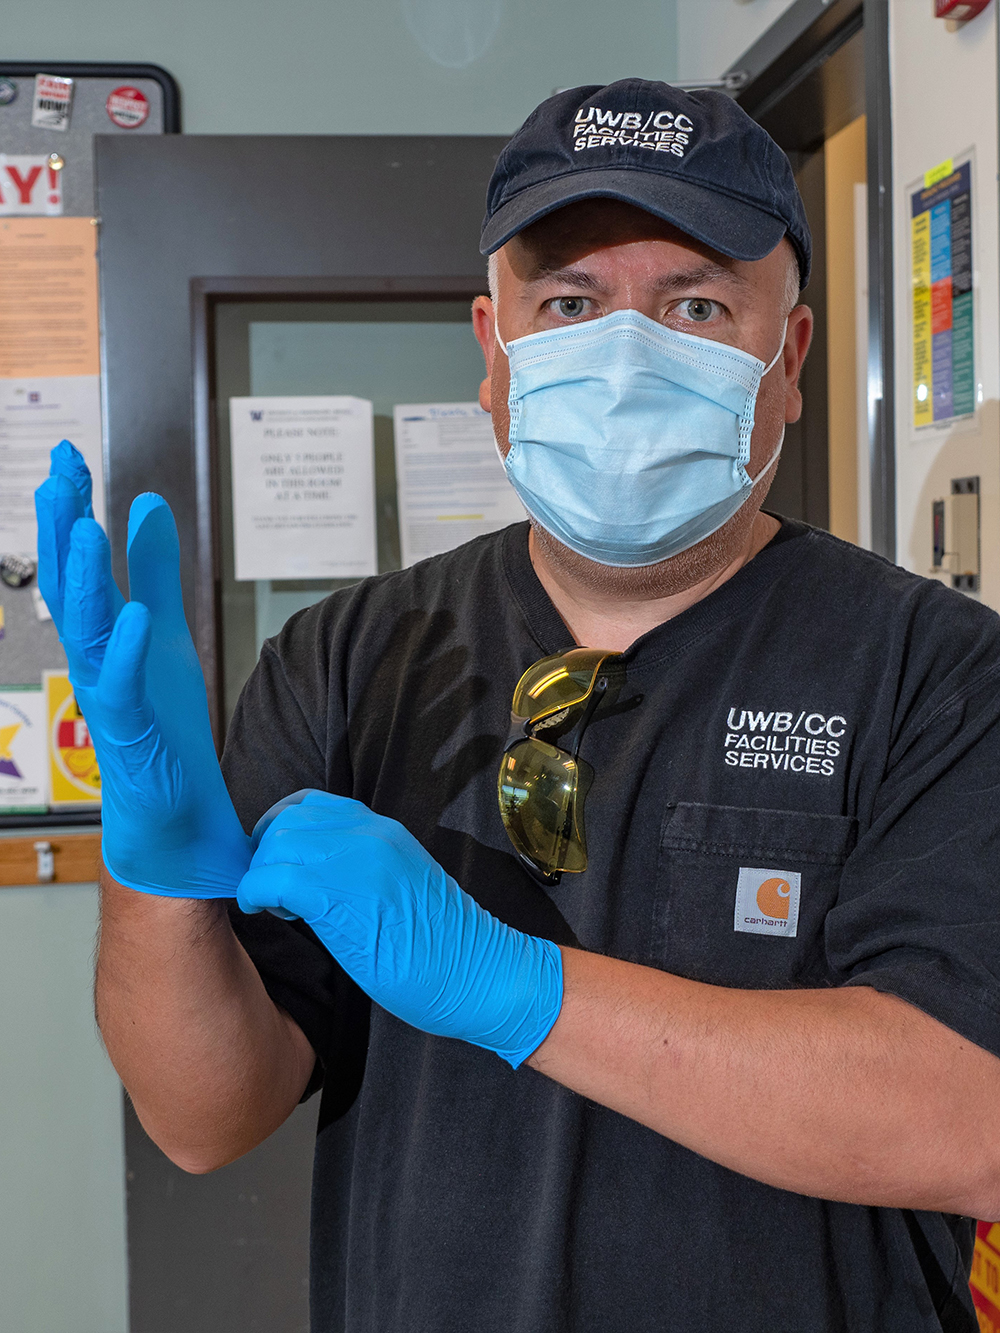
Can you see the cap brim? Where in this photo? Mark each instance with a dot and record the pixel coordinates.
(732, 227)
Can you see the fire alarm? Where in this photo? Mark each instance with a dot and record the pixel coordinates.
(959, 10)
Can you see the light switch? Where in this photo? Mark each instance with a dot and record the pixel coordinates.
(955, 538)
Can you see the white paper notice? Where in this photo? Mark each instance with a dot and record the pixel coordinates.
(35, 414)
(23, 752)
(303, 487)
(451, 483)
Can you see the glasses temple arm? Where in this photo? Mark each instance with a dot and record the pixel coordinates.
(573, 741)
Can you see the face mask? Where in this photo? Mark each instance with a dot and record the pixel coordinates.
(629, 442)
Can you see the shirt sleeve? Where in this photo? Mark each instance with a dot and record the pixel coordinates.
(278, 742)
(918, 915)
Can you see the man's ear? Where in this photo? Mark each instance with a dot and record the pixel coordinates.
(797, 340)
(482, 327)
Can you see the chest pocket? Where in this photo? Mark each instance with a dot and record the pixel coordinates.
(703, 849)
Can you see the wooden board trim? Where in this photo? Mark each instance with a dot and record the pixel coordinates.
(76, 858)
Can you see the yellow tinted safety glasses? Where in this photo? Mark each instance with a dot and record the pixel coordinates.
(541, 785)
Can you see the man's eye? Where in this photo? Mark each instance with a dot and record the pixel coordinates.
(698, 308)
(571, 307)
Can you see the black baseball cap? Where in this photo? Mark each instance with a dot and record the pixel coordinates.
(696, 160)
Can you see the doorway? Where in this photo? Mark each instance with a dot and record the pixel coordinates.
(810, 97)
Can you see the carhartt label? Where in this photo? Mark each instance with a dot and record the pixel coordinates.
(767, 901)
(659, 131)
(804, 742)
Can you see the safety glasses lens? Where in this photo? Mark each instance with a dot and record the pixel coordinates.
(539, 790)
(557, 682)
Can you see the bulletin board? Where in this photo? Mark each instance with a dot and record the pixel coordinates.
(50, 389)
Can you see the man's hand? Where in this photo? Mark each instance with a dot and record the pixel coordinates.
(169, 825)
(402, 928)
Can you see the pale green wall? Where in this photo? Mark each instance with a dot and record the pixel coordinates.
(355, 66)
(62, 1174)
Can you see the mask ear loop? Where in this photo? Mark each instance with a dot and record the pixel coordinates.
(781, 441)
(774, 359)
(503, 345)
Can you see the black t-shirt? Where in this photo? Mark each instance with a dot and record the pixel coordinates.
(795, 785)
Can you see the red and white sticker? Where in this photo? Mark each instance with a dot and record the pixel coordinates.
(128, 107)
(53, 99)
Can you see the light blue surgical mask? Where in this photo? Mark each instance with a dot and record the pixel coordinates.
(629, 442)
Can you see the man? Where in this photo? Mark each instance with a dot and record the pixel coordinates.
(752, 1050)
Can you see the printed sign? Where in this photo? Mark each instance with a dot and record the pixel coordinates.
(53, 100)
(74, 778)
(303, 487)
(944, 384)
(450, 481)
(127, 107)
(22, 749)
(29, 186)
(36, 414)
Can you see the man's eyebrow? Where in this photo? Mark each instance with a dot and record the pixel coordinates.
(682, 280)
(574, 277)
(693, 277)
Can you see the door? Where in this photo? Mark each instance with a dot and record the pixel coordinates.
(212, 247)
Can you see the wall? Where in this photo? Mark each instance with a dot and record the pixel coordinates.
(711, 34)
(944, 100)
(357, 66)
(62, 1185)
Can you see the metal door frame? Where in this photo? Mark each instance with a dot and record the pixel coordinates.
(206, 295)
(803, 38)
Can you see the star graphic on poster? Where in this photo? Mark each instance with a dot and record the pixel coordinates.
(7, 765)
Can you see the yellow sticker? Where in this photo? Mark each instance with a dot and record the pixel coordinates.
(939, 172)
(73, 772)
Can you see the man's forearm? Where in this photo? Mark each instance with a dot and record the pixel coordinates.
(842, 1094)
(211, 1063)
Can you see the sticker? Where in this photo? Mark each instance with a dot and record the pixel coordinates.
(127, 107)
(8, 92)
(16, 570)
(29, 186)
(73, 771)
(767, 901)
(42, 612)
(22, 748)
(53, 99)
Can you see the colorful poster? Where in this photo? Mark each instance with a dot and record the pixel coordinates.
(944, 384)
(22, 749)
(73, 774)
(985, 1280)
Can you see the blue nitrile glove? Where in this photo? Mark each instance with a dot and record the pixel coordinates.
(401, 927)
(169, 826)
(61, 499)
